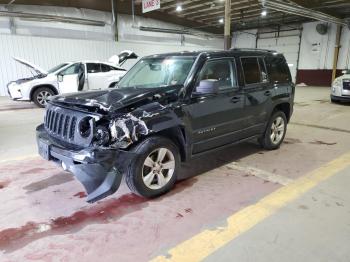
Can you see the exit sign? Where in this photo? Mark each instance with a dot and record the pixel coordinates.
(150, 5)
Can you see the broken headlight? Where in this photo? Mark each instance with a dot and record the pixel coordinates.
(102, 136)
(84, 127)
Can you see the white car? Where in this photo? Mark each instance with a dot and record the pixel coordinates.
(67, 78)
(341, 88)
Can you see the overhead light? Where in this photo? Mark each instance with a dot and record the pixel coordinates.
(295, 9)
(263, 13)
(221, 20)
(178, 8)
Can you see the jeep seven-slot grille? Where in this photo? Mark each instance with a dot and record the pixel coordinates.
(60, 124)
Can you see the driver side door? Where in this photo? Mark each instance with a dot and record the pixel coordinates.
(216, 119)
(68, 79)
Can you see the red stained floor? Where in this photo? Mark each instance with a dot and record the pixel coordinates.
(45, 216)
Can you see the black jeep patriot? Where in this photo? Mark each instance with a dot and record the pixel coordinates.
(168, 108)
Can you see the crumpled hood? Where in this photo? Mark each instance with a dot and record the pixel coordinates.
(114, 99)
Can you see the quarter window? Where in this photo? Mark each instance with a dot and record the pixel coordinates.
(251, 70)
(278, 69)
(221, 71)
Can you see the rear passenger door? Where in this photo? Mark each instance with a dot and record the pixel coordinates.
(257, 94)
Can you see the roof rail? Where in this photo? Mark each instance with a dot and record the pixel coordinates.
(253, 49)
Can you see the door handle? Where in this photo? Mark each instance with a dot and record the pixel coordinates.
(267, 93)
(235, 99)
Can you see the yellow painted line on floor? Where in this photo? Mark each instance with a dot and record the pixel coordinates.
(205, 243)
(5, 160)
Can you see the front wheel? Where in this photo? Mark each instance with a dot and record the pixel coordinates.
(154, 169)
(275, 131)
(41, 95)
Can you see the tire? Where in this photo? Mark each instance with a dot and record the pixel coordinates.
(274, 133)
(41, 94)
(144, 176)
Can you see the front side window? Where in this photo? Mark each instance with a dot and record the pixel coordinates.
(93, 68)
(220, 71)
(71, 70)
(158, 72)
(251, 70)
(56, 68)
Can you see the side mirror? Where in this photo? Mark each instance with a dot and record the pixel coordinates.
(345, 72)
(60, 78)
(209, 86)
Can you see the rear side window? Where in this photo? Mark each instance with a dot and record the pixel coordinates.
(105, 68)
(251, 70)
(278, 69)
(93, 68)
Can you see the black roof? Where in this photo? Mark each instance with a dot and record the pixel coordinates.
(218, 53)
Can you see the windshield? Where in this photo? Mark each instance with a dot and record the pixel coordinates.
(158, 72)
(54, 69)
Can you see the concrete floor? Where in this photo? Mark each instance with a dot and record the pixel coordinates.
(44, 216)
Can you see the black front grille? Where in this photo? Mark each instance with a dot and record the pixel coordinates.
(60, 124)
(346, 84)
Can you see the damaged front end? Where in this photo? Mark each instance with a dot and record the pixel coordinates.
(93, 144)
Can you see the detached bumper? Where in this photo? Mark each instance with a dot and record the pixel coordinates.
(99, 170)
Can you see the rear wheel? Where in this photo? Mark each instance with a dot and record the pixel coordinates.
(275, 131)
(154, 169)
(41, 95)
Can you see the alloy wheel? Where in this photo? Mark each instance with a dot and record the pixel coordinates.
(42, 97)
(277, 130)
(158, 168)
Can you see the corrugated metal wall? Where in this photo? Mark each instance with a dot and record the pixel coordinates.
(48, 52)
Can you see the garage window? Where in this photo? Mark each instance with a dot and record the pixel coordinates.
(251, 70)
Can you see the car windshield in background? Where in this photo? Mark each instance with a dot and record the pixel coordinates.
(158, 72)
(54, 69)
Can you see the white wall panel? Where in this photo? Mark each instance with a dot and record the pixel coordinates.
(48, 52)
(344, 54)
(246, 39)
(287, 44)
(317, 50)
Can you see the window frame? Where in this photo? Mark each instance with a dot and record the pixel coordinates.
(261, 80)
(233, 71)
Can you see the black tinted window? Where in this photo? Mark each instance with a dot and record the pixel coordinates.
(264, 77)
(251, 70)
(107, 68)
(93, 68)
(278, 69)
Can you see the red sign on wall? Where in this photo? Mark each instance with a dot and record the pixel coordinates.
(150, 5)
